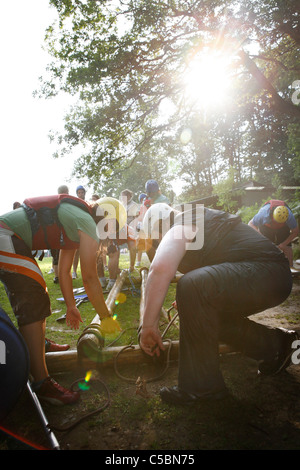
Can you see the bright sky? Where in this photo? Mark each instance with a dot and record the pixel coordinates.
(27, 166)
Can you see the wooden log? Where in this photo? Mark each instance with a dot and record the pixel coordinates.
(71, 360)
(91, 340)
(144, 276)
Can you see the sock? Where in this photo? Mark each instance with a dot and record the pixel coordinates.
(37, 385)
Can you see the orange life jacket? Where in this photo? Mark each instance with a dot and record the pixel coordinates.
(47, 231)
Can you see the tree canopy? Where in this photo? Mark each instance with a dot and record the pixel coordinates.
(173, 88)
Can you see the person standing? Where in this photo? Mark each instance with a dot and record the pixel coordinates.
(154, 193)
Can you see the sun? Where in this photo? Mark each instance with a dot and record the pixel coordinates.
(207, 79)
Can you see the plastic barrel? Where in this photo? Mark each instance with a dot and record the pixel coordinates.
(14, 365)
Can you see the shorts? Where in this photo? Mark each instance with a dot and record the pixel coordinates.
(23, 280)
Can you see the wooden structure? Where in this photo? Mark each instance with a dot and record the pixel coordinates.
(91, 352)
(91, 341)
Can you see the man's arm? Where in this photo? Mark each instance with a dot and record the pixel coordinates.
(162, 270)
(293, 234)
(251, 224)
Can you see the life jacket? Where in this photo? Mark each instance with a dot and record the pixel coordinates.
(47, 231)
(273, 204)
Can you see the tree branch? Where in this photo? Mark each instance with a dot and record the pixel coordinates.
(279, 104)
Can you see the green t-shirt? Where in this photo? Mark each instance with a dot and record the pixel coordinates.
(161, 198)
(71, 217)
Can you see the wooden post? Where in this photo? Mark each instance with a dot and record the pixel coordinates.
(144, 276)
(71, 360)
(91, 341)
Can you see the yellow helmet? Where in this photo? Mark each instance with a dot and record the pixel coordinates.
(111, 208)
(281, 214)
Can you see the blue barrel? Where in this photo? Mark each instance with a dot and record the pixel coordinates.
(14, 365)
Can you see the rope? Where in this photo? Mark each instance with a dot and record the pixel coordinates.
(130, 346)
(88, 415)
(126, 379)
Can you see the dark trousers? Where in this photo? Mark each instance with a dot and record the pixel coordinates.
(276, 236)
(213, 304)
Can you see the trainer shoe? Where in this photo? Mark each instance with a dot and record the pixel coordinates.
(282, 357)
(175, 396)
(103, 281)
(110, 284)
(55, 394)
(50, 346)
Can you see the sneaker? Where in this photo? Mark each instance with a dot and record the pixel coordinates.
(51, 271)
(175, 396)
(62, 319)
(103, 282)
(283, 356)
(110, 284)
(56, 280)
(50, 346)
(55, 394)
(74, 275)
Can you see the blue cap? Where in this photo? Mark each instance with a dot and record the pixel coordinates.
(80, 187)
(142, 196)
(151, 186)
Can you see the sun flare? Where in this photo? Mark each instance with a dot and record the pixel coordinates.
(207, 79)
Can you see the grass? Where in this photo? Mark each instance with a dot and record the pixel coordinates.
(127, 312)
(257, 415)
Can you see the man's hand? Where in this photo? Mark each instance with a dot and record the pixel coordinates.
(150, 341)
(73, 317)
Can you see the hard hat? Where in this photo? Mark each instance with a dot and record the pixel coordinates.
(157, 212)
(151, 186)
(111, 208)
(281, 214)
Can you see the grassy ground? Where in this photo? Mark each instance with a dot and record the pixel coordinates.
(261, 413)
(127, 312)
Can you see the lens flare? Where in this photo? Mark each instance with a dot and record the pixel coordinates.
(88, 376)
(121, 298)
(84, 385)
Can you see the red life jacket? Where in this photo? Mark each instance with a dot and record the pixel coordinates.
(273, 204)
(47, 231)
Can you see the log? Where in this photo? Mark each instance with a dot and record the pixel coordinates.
(144, 276)
(70, 360)
(91, 340)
